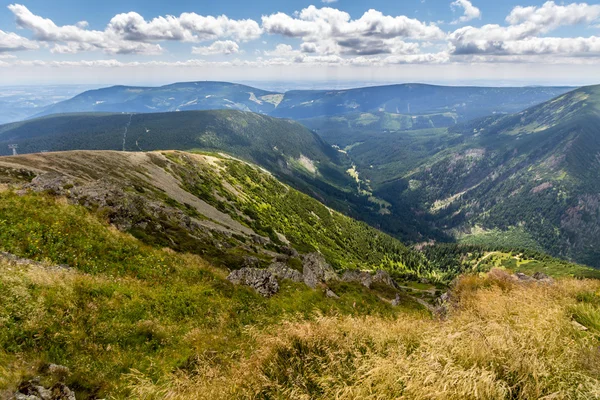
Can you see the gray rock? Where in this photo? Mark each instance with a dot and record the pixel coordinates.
(261, 280)
(366, 279)
(60, 372)
(250, 262)
(396, 301)
(329, 293)
(542, 278)
(282, 271)
(316, 270)
(62, 392)
(384, 277)
(523, 277)
(33, 390)
(290, 251)
(362, 277)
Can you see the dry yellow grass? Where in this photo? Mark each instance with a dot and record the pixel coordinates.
(501, 340)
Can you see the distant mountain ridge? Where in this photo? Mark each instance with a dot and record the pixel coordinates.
(174, 97)
(411, 99)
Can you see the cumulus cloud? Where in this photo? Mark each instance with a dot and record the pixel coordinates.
(12, 42)
(188, 27)
(550, 15)
(469, 11)
(325, 36)
(219, 47)
(330, 31)
(521, 36)
(75, 38)
(130, 33)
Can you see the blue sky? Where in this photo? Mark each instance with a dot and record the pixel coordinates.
(152, 42)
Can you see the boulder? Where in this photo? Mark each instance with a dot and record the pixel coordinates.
(261, 280)
(316, 270)
(329, 293)
(282, 271)
(363, 277)
(542, 277)
(523, 277)
(384, 278)
(396, 301)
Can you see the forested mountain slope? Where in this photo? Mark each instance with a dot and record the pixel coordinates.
(532, 178)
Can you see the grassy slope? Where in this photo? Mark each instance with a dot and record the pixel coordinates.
(131, 320)
(126, 306)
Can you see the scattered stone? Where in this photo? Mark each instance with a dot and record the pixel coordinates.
(60, 372)
(579, 326)
(261, 280)
(444, 298)
(33, 390)
(362, 277)
(282, 271)
(329, 293)
(316, 270)
(61, 392)
(396, 301)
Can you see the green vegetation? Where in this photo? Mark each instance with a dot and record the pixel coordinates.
(139, 320)
(502, 340)
(122, 306)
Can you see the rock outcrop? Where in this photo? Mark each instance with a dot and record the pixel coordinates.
(33, 390)
(282, 271)
(367, 279)
(316, 270)
(261, 280)
(363, 277)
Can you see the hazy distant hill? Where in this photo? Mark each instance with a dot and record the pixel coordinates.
(409, 99)
(412, 99)
(175, 97)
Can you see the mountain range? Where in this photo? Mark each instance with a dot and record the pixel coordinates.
(219, 254)
(461, 103)
(526, 179)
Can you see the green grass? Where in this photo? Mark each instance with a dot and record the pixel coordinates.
(127, 306)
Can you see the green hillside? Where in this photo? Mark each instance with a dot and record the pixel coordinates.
(532, 176)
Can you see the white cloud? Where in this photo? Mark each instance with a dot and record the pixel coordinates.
(188, 27)
(12, 42)
(469, 11)
(332, 31)
(130, 33)
(219, 47)
(521, 36)
(76, 38)
(550, 16)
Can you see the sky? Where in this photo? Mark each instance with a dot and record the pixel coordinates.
(455, 42)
